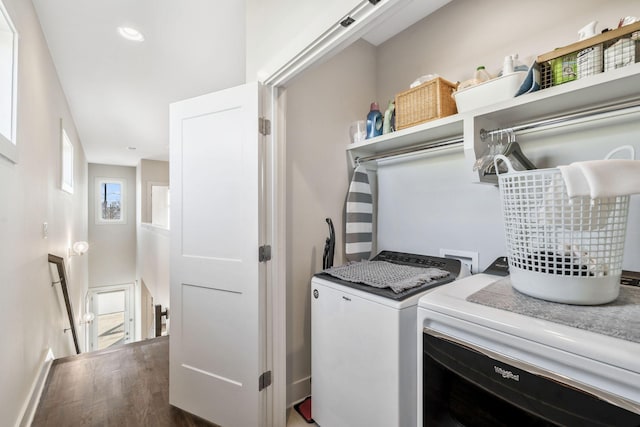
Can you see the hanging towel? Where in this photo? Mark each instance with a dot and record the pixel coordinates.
(359, 213)
(602, 178)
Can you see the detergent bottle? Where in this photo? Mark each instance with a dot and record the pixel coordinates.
(374, 121)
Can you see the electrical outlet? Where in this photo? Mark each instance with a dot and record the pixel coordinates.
(468, 258)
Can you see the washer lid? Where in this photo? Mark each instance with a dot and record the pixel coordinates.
(453, 266)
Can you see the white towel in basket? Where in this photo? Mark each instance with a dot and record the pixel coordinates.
(602, 178)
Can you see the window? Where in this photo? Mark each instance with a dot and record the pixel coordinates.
(67, 163)
(8, 85)
(110, 201)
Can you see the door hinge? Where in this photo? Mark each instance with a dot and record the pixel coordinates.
(264, 253)
(264, 126)
(264, 381)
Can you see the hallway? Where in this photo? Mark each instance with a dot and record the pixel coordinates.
(124, 385)
(121, 386)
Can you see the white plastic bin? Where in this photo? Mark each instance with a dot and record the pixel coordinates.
(489, 92)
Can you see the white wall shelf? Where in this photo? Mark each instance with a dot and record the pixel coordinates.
(433, 131)
(616, 87)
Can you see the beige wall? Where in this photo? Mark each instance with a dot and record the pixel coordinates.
(320, 106)
(112, 257)
(151, 171)
(30, 195)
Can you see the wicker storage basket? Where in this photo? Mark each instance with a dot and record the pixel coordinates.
(429, 101)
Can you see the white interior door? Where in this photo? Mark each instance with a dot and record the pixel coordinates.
(216, 344)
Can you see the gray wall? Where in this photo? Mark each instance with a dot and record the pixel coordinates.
(112, 257)
(320, 106)
(30, 195)
(425, 203)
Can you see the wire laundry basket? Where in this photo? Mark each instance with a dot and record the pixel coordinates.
(561, 249)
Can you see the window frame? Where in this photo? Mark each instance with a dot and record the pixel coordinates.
(9, 144)
(99, 181)
(66, 162)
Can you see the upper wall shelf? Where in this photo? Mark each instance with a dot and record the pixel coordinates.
(431, 133)
(609, 88)
(615, 86)
(612, 88)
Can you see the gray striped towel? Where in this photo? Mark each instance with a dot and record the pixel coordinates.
(359, 221)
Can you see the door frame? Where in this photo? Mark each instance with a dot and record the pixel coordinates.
(332, 41)
(273, 104)
(129, 310)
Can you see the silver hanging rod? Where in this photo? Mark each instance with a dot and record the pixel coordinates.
(484, 134)
(413, 149)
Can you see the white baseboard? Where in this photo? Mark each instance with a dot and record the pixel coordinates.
(298, 390)
(31, 404)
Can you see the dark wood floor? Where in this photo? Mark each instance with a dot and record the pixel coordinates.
(124, 386)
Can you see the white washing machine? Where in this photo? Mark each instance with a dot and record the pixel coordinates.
(363, 359)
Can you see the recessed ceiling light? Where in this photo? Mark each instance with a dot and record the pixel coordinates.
(131, 148)
(131, 34)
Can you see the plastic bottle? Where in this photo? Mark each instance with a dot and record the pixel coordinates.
(507, 67)
(388, 124)
(374, 121)
(481, 74)
(517, 65)
(511, 62)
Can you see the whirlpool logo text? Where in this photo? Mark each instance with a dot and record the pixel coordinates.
(506, 374)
